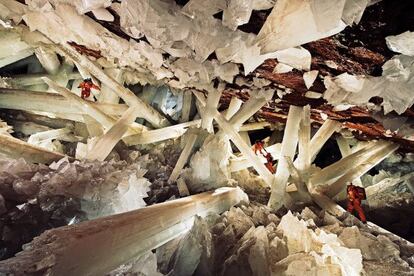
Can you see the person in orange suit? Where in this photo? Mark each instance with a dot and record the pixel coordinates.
(86, 87)
(355, 196)
(259, 147)
(269, 163)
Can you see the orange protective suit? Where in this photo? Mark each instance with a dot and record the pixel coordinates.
(355, 196)
(269, 163)
(86, 87)
(259, 147)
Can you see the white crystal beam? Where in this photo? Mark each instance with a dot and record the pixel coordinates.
(17, 148)
(98, 246)
(289, 144)
(107, 95)
(48, 59)
(254, 126)
(238, 141)
(50, 102)
(162, 134)
(33, 79)
(89, 109)
(50, 134)
(182, 160)
(341, 167)
(304, 160)
(357, 170)
(187, 103)
(107, 142)
(148, 112)
(345, 150)
(234, 106)
(249, 108)
(15, 57)
(104, 119)
(322, 135)
(213, 99)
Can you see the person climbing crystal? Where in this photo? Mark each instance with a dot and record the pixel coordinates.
(86, 87)
(259, 147)
(355, 196)
(269, 163)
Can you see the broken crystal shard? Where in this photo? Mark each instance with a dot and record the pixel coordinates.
(353, 11)
(195, 7)
(327, 14)
(310, 77)
(132, 191)
(298, 58)
(149, 231)
(258, 255)
(289, 144)
(237, 13)
(394, 86)
(298, 17)
(372, 248)
(103, 14)
(281, 68)
(402, 43)
(263, 4)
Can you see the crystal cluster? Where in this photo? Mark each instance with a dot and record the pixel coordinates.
(251, 240)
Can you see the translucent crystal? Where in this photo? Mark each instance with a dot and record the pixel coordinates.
(310, 20)
(107, 95)
(162, 134)
(107, 142)
(16, 148)
(184, 156)
(322, 135)
(353, 11)
(310, 77)
(238, 141)
(289, 144)
(234, 106)
(237, 13)
(393, 86)
(298, 58)
(167, 225)
(209, 166)
(402, 43)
